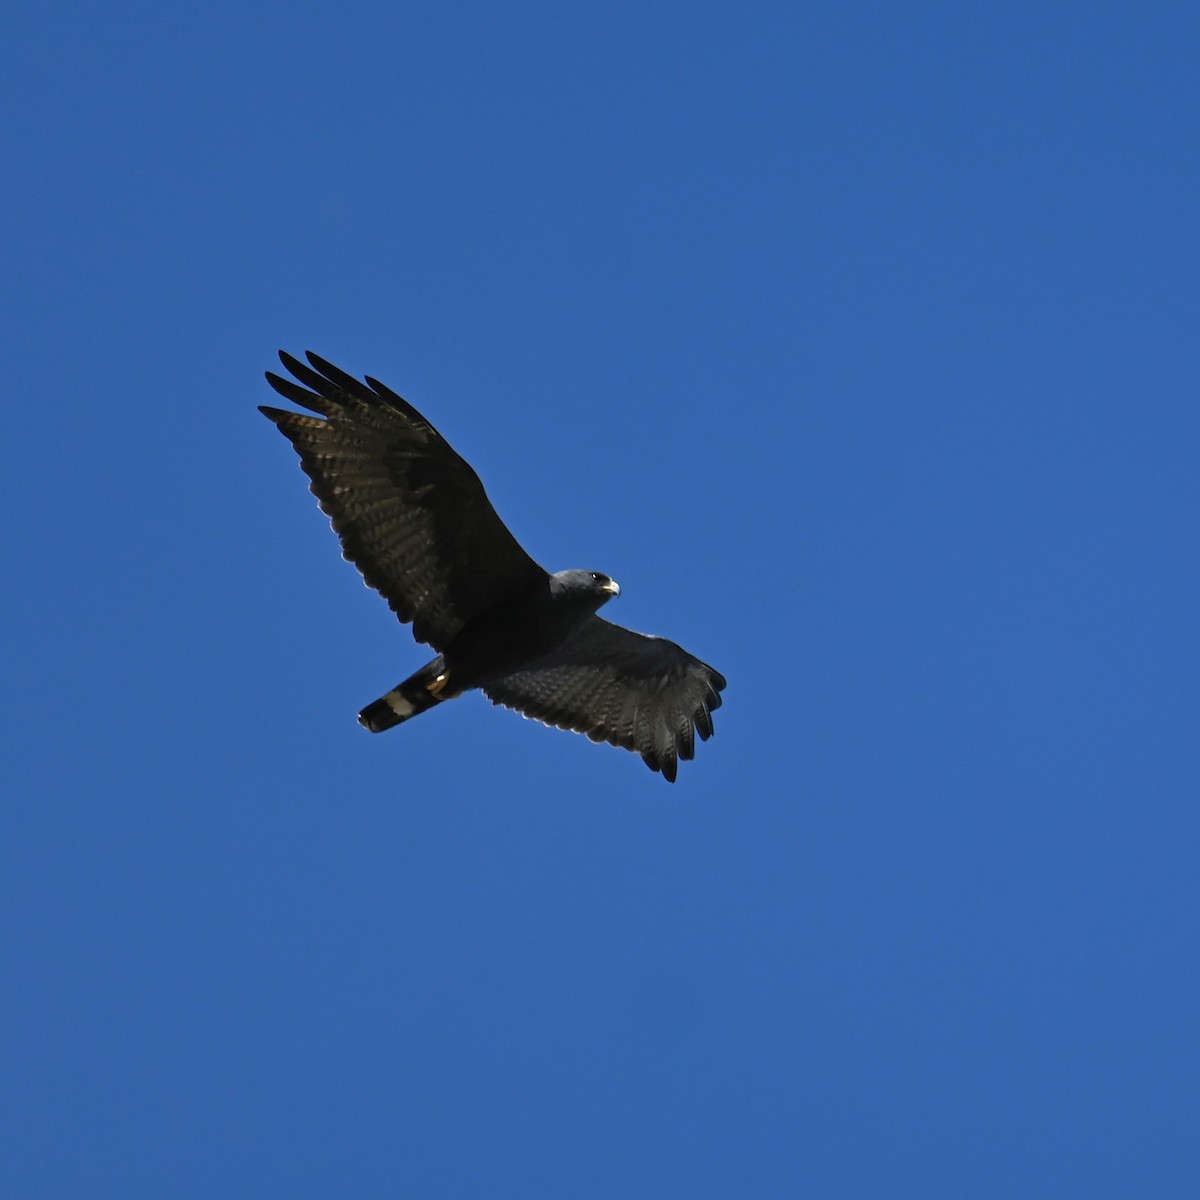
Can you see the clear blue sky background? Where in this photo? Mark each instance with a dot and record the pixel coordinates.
(859, 342)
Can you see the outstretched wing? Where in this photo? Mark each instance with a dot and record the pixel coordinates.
(643, 693)
(410, 513)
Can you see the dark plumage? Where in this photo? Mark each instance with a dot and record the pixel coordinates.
(414, 518)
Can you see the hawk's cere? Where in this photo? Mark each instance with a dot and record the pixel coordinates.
(415, 520)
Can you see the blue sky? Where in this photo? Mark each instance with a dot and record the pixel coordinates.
(859, 343)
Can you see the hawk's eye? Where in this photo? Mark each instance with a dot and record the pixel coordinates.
(597, 578)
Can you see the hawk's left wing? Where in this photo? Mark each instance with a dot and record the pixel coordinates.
(642, 693)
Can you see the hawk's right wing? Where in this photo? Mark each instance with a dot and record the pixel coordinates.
(410, 513)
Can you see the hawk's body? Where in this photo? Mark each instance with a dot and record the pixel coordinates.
(414, 518)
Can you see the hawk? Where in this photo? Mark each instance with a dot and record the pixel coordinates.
(414, 519)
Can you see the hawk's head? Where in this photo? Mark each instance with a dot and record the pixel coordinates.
(583, 589)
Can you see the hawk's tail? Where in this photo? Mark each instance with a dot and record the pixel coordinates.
(429, 686)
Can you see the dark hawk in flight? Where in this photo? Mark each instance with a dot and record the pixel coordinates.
(414, 518)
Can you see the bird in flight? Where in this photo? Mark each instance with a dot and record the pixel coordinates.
(414, 519)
